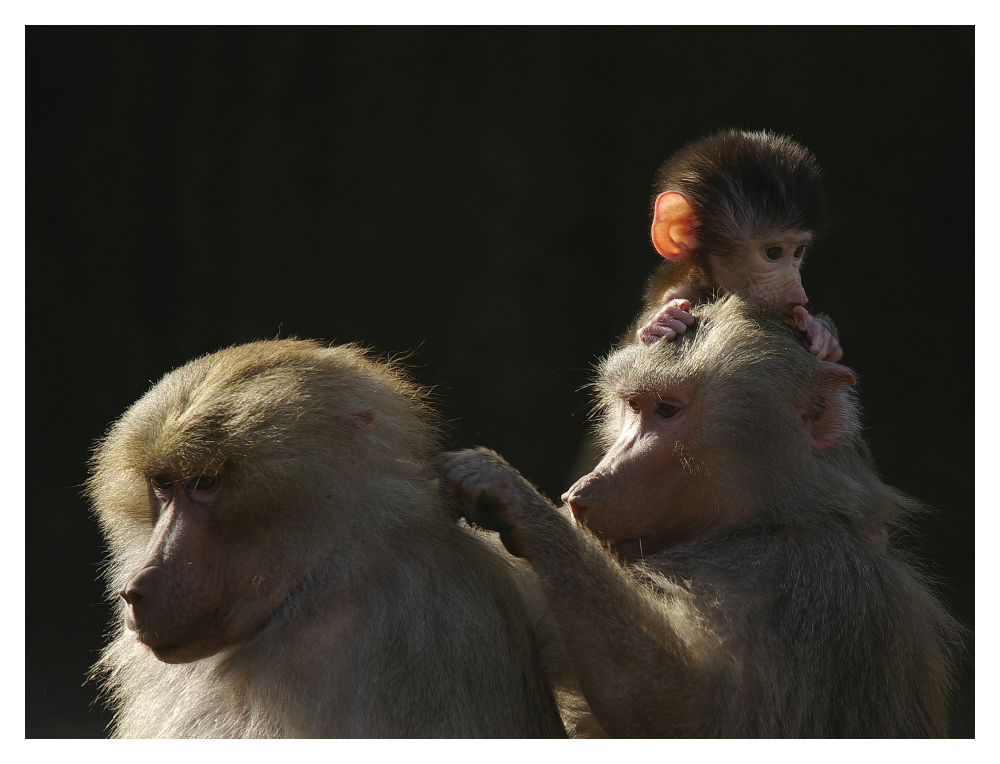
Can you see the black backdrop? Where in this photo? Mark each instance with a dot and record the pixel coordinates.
(477, 198)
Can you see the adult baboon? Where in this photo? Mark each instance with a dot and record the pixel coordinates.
(731, 570)
(285, 565)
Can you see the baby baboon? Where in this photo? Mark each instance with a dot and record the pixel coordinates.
(285, 567)
(735, 211)
(731, 570)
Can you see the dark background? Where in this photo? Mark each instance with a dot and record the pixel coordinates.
(477, 198)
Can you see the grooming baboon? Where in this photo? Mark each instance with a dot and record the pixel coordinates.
(735, 211)
(732, 568)
(285, 565)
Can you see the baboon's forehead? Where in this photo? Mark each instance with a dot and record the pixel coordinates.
(634, 369)
(197, 414)
(247, 400)
(728, 339)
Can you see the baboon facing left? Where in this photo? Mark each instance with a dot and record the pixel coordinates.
(285, 566)
(730, 568)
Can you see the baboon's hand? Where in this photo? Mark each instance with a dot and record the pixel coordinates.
(822, 342)
(672, 319)
(490, 493)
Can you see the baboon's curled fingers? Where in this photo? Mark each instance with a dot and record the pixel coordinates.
(484, 484)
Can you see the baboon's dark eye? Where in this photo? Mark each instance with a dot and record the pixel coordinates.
(633, 405)
(160, 481)
(799, 251)
(773, 253)
(667, 410)
(203, 483)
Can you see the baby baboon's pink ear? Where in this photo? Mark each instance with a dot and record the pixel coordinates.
(674, 224)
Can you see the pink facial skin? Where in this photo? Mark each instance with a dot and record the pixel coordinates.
(646, 493)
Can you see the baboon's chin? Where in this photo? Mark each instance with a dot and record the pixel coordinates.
(186, 651)
(184, 644)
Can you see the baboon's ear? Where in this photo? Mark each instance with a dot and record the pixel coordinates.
(369, 442)
(360, 429)
(674, 224)
(825, 418)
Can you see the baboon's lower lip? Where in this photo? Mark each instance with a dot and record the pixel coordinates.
(165, 638)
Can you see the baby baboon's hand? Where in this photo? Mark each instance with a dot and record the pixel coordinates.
(822, 342)
(672, 319)
(490, 494)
